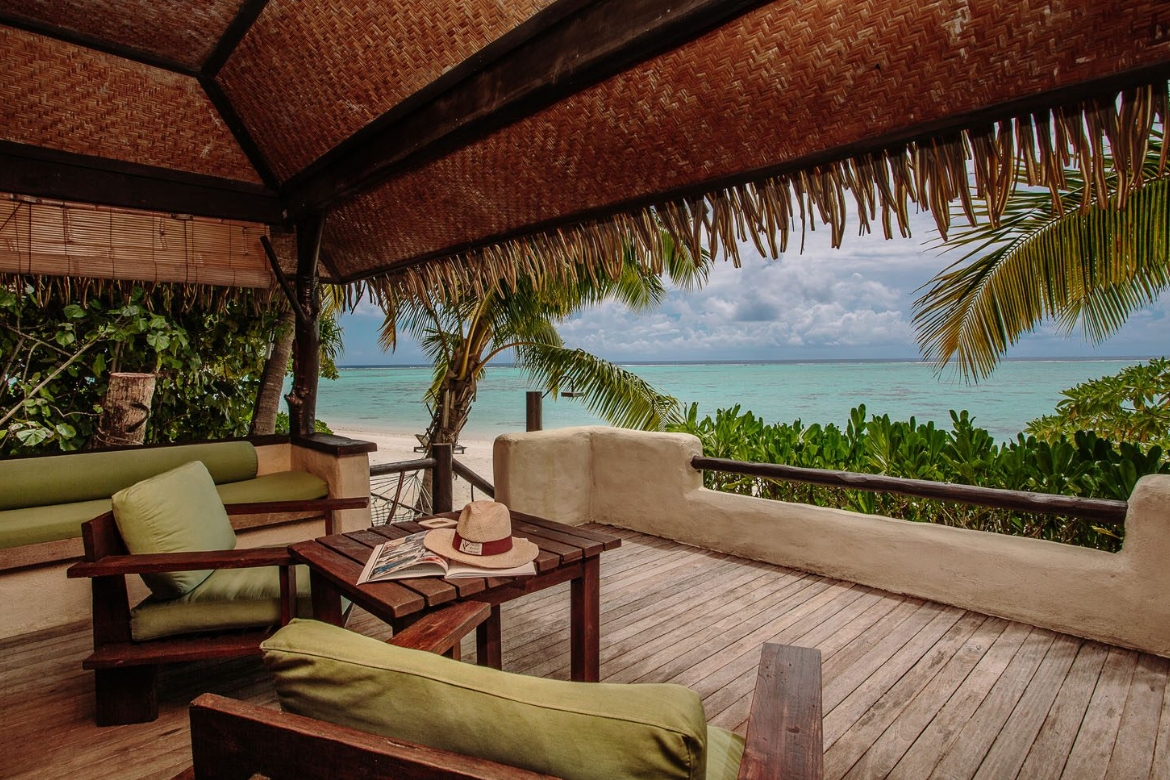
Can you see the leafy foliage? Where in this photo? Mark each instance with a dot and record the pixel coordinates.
(1132, 405)
(56, 357)
(1071, 259)
(464, 332)
(1081, 465)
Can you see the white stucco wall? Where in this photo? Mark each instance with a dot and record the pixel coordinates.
(644, 482)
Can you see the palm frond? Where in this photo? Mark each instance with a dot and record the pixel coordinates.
(1091, 267)
(618, 396)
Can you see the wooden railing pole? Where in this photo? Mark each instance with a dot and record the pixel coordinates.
(1099, 510)
(442, 482)
(532, 421)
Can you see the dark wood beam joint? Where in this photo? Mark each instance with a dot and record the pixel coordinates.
(548, 62)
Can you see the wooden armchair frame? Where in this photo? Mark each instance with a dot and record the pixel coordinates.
(233, 740)
(125, 671)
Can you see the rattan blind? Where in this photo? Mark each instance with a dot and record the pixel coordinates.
(51, 238)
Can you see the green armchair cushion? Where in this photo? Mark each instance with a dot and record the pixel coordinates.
(280, 486)
(176, 511)
(577, 731)
(85, 476)
(228, 599)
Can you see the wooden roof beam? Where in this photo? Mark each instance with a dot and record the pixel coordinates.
(49, 173)
(569, 46)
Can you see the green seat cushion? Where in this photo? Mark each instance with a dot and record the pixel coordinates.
(724, 754)
(577, 731)
(228, 599)
(281, 486)
(176, 511)
(31, 525)
(47, 523)
(85, 476)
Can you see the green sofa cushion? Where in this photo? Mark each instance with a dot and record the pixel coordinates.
(281, 486)
(577, 731)
(228, 599)
(31, 525)
(724, 754)
(85, 476)
(47, 523)
(176, 511)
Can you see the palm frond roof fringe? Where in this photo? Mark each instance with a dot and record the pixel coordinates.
(457, 144)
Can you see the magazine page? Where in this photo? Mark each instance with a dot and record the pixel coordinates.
(402, 558)
(456, 571)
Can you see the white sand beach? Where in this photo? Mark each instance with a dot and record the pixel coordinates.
(398, 447)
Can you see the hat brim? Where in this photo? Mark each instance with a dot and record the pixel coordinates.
(441, 541)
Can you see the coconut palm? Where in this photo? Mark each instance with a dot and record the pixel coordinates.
(464, 333)
(1089, 257)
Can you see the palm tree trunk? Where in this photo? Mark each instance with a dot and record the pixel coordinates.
(272, 380)
(452, 405)
(125, 411)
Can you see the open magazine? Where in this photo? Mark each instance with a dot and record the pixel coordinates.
(404, 558)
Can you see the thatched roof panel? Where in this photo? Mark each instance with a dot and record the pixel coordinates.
(783, 88)
(57, 95)
(171, 29)
(310, 73)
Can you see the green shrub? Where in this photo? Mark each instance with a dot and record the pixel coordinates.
(1081, 465)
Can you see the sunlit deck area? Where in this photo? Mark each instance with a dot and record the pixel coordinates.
(912, 688)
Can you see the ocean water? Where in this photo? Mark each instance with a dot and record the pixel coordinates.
(389, 399)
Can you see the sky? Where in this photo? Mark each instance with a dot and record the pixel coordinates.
(851, 303)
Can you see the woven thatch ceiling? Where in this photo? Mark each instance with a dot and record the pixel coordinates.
(452, 134)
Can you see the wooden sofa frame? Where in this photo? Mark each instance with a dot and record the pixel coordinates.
(126, 671)
(234, 740)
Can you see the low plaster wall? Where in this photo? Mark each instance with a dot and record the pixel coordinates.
(644, 482)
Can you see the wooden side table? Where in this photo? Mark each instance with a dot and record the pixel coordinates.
(567, 554)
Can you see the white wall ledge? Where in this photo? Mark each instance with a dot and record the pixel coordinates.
(644, 482)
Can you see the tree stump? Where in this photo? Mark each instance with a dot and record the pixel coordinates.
(125, 410)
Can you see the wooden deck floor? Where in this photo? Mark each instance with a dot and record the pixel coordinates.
(912, 689)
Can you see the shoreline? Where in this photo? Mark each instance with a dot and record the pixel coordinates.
(395, 447)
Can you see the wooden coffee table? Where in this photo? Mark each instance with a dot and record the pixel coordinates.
(567, 554)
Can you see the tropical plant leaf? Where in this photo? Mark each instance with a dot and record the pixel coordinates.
(618, 396)
(1062, 261)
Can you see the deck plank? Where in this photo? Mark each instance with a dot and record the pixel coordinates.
(1133, 753)
(1007, 754)
(1089, 758)
(910, 687)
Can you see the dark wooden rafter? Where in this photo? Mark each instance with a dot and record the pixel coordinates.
(249, 12)
(50, 173)
(97, 44)
(1105, 87)
(302, 401)
(239, 130)
(235, 32)
(562, 50)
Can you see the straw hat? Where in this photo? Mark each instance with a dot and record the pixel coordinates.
(483, 537)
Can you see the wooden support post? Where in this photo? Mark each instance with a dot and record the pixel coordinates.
(442, 487)
(532, 420)
(302, 401)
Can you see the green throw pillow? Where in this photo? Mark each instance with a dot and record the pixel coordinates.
(176, 511)
(576, 731)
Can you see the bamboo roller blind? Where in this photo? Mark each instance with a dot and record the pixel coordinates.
(53, 238)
